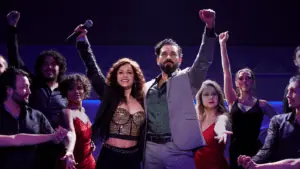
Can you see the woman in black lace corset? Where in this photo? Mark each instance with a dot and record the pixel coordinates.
(246, 110)
(120, 119)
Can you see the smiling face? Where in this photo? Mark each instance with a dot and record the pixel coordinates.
(77, 93)
(125, 76)
(293, 95)
(50, 68)
(20, 94)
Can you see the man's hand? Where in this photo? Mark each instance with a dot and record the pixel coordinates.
(60, 134)
(246, 162)
(13, 18)
(208, 16)
(223, 37)
(80, 29)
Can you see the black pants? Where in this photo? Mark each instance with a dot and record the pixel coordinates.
(118, 158)
(49, 155)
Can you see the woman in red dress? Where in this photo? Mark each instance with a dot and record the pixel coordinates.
(77, 87)
(211, 110)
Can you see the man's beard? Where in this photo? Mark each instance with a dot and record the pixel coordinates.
(19, 99)
(168, 68)
(50, 79)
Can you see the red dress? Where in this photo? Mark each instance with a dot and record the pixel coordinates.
(212, 155)
(83, 150)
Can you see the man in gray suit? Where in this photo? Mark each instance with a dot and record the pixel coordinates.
(172, 128)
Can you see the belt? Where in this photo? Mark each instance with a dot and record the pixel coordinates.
(159, 139)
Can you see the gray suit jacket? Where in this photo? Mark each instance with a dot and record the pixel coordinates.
(181, 90)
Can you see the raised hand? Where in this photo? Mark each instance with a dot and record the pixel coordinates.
(208, 16)
(13, 18)
(223, 136)
(246, 162)
(80, 29)
(223, 37)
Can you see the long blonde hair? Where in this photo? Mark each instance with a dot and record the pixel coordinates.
(199, 102)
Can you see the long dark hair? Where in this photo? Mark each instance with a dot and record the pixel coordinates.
(252, 77)
(114, 95)
(139, 80)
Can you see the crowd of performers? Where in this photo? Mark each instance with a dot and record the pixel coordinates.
(139, 124)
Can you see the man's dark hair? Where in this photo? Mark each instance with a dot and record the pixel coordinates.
(164, 42)
(8, 80)
(59, 58)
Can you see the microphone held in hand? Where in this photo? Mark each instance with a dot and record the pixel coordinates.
(87, 24)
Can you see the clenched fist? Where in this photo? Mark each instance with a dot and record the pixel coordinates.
(13, 18)
(208, 16)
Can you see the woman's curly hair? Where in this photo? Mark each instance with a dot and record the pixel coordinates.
(69, 81)
(139, 80)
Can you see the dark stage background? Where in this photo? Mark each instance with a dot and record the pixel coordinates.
(263, 34)
(144, 22)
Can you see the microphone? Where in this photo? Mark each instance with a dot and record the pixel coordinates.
(87, 24)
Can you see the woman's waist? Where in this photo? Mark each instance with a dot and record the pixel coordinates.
(121, 143)
(83, 150)
(86, 161)
(245, 139)
(124, 150)
(213, 159)
(210, 153)
(245, 136)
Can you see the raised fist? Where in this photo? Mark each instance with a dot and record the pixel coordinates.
(82, 31)
(208, 16)
(13, 18)
(223, 37)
